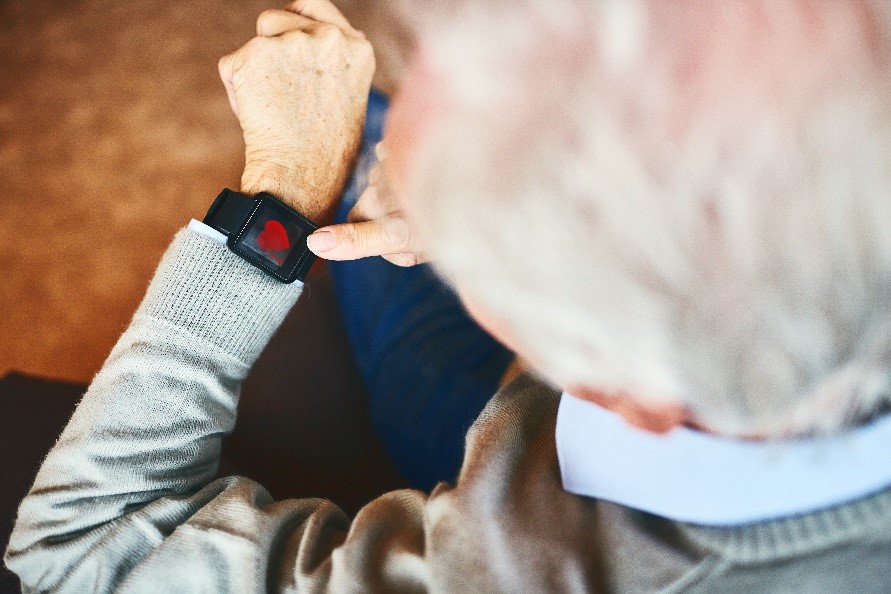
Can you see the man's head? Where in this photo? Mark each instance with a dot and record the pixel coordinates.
(681, 205)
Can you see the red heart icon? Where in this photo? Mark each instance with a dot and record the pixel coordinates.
(273, 238)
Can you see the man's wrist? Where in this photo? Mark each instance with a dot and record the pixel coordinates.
(288, 186)
(278, 180)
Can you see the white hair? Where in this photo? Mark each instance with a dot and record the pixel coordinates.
(683, 201)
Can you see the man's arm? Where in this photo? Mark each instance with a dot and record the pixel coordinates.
(125, 502)
(148, 430)
(125, 498)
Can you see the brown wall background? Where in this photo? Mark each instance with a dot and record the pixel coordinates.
(114, 132)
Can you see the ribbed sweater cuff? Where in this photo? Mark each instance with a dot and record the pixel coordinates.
(203, 288)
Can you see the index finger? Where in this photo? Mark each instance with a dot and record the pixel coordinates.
(351, 241)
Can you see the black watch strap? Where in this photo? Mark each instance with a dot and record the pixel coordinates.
(264, 231)
(228, 211)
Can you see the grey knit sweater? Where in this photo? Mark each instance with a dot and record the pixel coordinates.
(125, 501)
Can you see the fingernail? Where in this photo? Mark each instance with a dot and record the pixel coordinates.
(321, 241)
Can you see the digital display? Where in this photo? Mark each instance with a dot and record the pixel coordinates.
(270, 236)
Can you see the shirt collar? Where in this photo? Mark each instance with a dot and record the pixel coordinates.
(694, 477)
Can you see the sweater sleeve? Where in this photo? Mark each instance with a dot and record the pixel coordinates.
(125, 500)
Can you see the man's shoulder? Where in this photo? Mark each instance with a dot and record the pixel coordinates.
(527, 404)
(509, 501)
(490, 528)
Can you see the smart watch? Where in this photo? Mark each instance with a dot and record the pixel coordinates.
(265, 232)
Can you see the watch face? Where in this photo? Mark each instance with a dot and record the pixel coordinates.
(273, 238)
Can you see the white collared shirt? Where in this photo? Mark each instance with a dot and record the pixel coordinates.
(691, 476)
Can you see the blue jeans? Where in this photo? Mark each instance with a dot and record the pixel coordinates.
(428, 368)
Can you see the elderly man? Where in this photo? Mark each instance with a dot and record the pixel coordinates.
(673, 210)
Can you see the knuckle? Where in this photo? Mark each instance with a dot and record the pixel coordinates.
(396, 233)
(351, 239)
(231, 65)
(245, 52)
(260, 49)
(326, 31)
(256, 45)
(362, 52)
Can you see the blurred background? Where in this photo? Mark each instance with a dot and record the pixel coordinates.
(114, 131)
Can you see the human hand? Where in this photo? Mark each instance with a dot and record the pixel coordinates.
(300, 90)
(376, 226)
